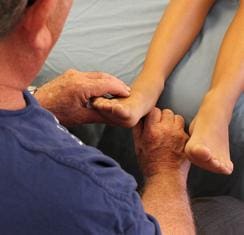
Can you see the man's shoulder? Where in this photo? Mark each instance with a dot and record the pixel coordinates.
(75, 187)
(73, 161)
(79, 189)
(103, 172)
(43, 139)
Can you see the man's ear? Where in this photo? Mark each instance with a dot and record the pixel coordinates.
(35, 24)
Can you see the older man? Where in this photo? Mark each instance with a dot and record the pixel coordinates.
(50, 183)
(53, 184)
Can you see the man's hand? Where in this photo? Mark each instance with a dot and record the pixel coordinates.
(68, 96)
(159, 143)
(160, 140)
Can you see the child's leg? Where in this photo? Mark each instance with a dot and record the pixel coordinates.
(177, 29)
(208, 146)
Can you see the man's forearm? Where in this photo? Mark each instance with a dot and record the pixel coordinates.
(165, 197)
(179, 26)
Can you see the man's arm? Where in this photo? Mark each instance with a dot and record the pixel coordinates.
(159, 143)
(165, 197)
(68, 96)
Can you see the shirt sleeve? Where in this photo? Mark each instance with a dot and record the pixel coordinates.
(102, 198)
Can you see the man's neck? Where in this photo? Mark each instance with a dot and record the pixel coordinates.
(11, 98)
(19, 65)
(13, 78)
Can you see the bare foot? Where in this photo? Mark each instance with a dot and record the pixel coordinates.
(125, 112)
(208, 146)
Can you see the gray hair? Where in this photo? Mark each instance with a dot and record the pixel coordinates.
(11, 12)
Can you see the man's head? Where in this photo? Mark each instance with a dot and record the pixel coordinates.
(28, 31)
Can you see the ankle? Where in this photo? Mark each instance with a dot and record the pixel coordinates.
(215, 101)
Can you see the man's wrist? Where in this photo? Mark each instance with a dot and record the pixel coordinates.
(165, 168)
(32, 89)
(169, 176)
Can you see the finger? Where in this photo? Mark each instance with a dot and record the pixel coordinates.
(179, 121)
(153, 117)
(168, 117)
(82, 116)
(92, 116)
(106, 83)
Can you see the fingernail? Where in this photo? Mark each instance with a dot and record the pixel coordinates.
(128, 88)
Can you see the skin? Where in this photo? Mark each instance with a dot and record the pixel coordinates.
(31, 41)
(159, 144)
(68, 96)
(208, 146)
(170, 42)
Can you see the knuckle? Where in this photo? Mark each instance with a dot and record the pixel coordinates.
(106, 75)
(71, 72)
(166, 128)
(152, 135)
(98, 74)
(180, 118)
(183, 136)
(167, 111)
(155, 109)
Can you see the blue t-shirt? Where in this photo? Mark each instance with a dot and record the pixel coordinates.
(51, 183)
